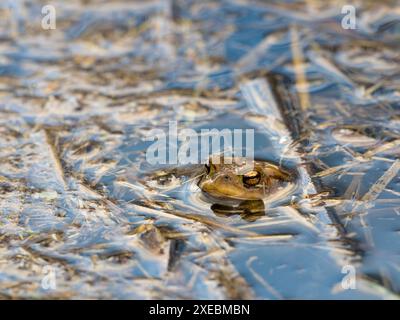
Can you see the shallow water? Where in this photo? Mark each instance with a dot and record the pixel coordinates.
(80, 205)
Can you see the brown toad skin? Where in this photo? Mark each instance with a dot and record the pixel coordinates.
(224, 179)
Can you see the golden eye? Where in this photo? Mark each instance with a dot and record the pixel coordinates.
(252, 178)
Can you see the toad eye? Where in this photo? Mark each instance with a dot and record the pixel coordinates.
(252, 178)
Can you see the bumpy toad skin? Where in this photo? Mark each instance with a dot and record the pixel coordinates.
(233, 178)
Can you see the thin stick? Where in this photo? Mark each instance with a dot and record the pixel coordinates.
(298, 63)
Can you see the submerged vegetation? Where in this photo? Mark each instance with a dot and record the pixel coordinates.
(84, 215)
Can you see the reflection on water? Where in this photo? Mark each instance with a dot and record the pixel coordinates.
(249, 210)
(77, 194)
